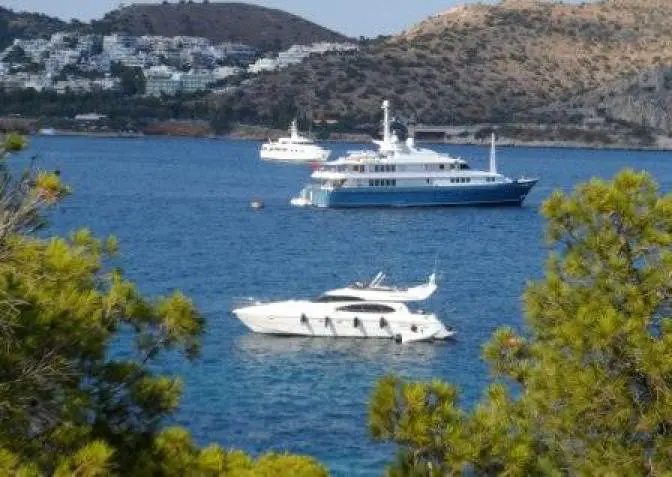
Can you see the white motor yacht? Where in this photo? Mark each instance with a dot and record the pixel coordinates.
(357, 311)
(295, 148)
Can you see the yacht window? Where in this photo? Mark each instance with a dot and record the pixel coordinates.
(367, 308)
(370, 182)
(464, 166)
(394, 182)
(442, 167)
(334, 298)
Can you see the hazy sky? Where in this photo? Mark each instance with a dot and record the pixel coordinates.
(351, 17)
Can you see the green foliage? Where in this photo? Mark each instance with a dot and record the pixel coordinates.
(70, 405)
(593, 378)
(132, 79)
(16, 56)
(124, 112)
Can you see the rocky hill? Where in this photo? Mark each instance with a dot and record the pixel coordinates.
(644, 100)
(26, 25)
(477, 63)
(263, 28)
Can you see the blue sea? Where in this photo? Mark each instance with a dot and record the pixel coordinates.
(180, 209)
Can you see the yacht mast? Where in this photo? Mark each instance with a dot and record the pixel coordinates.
(386, 122)
(493, 159)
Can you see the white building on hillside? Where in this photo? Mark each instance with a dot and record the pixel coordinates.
(225, 71)
(263, 64)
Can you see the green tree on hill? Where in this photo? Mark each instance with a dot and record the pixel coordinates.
(71, 403)
(16, 56)
(592, 381)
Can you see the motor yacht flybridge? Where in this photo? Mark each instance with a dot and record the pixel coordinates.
(295, 148)
(400, 174)
(359, 310)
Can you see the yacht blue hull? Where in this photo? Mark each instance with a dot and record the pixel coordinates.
(512, 193)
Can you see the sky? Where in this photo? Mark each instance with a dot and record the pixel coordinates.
(354, 18)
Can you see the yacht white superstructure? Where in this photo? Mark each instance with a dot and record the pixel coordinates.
(377, 291)
(295, 148)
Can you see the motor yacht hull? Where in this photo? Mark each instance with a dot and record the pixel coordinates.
(303, 322)
(512, 193)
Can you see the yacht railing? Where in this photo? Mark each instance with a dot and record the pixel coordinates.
(242, 302)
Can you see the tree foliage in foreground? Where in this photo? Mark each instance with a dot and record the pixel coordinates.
(591, 380)
(77, 341)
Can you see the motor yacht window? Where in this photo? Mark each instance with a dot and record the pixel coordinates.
(335, 298)
(464, 166)
(367, 308)
(442, 166)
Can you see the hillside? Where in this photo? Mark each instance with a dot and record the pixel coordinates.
(263, 28)
(644, 99)
(476, 63)
(26, 25)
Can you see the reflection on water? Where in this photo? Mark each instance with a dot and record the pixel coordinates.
(262, 346)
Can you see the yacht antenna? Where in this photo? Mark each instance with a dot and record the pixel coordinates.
(493, 159)
(386, 122)
(294, 130)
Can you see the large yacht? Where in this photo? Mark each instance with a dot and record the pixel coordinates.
(400, 174)
(295, 148)
(356, 311)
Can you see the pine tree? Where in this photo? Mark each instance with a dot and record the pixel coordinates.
(587, 389)
(77, 393)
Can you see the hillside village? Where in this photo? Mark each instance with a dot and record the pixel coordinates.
(586, 73)
(165, 66)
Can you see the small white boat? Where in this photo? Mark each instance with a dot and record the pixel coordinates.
(357, 311)
(256, 204)
(295, 148)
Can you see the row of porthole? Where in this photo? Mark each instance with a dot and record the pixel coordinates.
(356, 322)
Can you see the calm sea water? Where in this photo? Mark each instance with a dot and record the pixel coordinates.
(181, 211)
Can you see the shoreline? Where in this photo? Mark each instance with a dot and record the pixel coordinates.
(503, 143)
